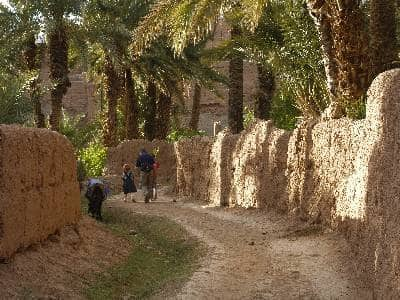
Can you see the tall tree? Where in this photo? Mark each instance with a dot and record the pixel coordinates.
(32, 53)
(131, 108)
(266, 92)
(58, 50)
(384, 46)
(235, 107)
(344, 39)
(163, 116)
(195, 114)
(113, 88)
(150, 112)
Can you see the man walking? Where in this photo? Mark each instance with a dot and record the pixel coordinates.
(145, 164)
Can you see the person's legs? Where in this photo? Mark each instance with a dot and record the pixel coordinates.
(141, 179)
(99, 216)
(154, 187)
(146, 188)
(125, 197)
(131, 198)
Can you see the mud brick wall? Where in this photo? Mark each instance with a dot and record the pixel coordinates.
(128, 151)
(39, 192)
(246, 170)
(259, 163)
(344, 174)
(192, 158)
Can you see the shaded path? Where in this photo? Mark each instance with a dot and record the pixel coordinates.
(258, 255)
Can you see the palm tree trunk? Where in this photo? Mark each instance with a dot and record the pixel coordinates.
(319, 12)
(131, 107)
(265, 94)
(150, 112)
(58, 48)
(164, 116)
(195, 115)
(384, 48)
(351, 49)
(235, 109)
(112, 93)
(31, 55)
(344, 41)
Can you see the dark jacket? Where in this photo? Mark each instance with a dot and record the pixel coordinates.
(145, 162)
(128, 183)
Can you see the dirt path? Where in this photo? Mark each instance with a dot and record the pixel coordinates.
(258, 255)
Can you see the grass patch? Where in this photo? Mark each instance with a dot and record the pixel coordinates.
(163, 257)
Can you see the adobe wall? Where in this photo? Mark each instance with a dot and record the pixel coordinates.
(39, 191)
(192, 159)
(127, 152)
(246, 170)
(341, 173)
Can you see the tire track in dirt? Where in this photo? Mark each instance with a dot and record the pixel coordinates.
(258, 255)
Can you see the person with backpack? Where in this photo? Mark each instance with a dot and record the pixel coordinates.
(145, 163)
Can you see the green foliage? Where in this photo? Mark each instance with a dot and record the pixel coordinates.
(15, 106)
(284, 112)
(78, 132)
(357, 110)
(248, 117)
(93, 159)
(163, 255)
(182, 133)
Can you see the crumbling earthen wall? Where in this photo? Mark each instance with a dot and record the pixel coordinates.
(192, 158)
(341, 173)
(39, 191)
(346, 174)
(128, 151)
(259, 164)
(246, 170)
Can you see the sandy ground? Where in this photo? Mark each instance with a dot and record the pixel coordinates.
(61, 267)
(258, 255)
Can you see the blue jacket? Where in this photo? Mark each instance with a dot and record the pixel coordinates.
(145, 162)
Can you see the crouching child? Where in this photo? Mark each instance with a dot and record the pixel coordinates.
(96, 193)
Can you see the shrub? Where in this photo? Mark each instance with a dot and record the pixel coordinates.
(182, 133)
(93, 159)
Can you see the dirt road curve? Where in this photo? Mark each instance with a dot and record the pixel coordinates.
(258, 255)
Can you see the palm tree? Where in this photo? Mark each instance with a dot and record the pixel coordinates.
(131, 107)
(58, 50)
(150, 112)
(384, 47)
(113, 91)
(235, 110)
(56, 16)
(31, 57)
(344, 39)
(163, 116)
(195, 114)
(266, 92)
(190, 21)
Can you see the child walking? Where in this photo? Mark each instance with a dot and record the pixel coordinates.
(128, 183)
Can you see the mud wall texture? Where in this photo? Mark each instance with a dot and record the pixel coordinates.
(246, 170)
(128, 151)
(39, 192)
(344, 174)
(192, 158)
